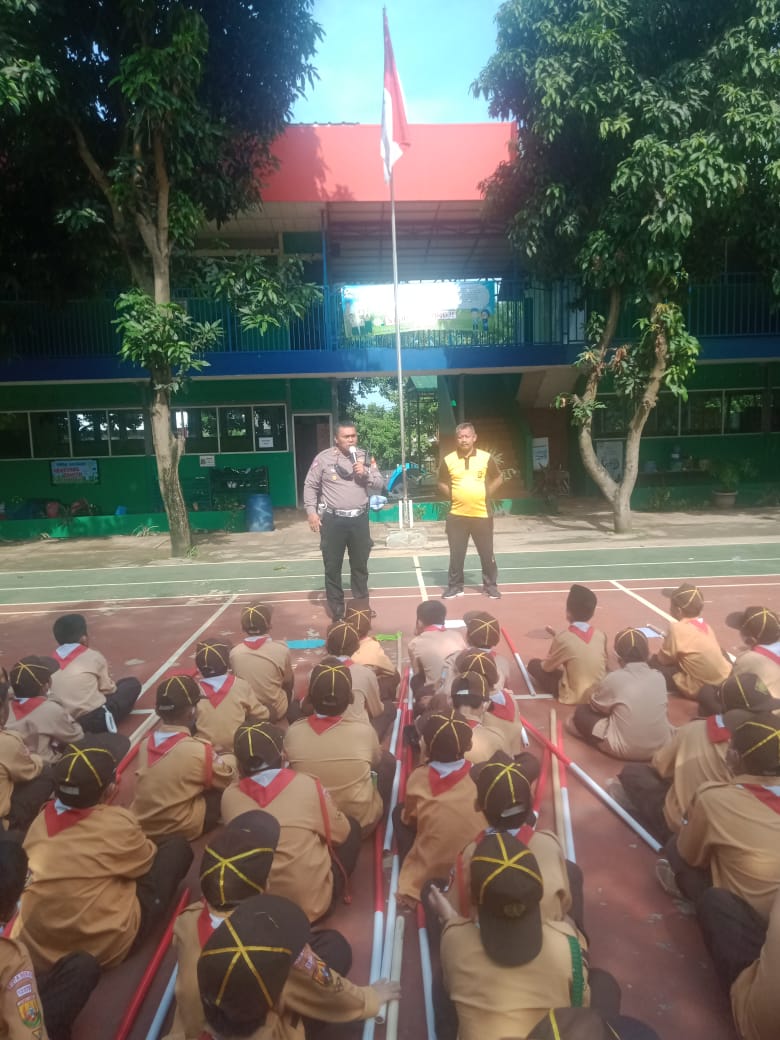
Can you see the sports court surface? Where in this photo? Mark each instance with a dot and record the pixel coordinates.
(147, 621)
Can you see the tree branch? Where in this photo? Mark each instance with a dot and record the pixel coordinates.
(163, 192)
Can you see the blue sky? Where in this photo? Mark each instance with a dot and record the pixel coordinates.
(440, 47)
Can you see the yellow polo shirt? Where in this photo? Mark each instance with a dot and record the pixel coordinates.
(467, 477)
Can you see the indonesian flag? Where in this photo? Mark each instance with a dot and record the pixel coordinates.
(395, 131)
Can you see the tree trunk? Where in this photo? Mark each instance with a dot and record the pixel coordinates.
(167, 450)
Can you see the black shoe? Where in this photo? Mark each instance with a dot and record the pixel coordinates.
(492, 593)
(452, 593)
(336, 614)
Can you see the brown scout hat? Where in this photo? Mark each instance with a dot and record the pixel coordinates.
(176, 693)
(631, 645)
(330, 687)
(482, 629)
(236, 862)
(31, 674)
(447, 735)
(503, 789)
(470, 688)
(760, 623)
(258, 745)
(82, 775)
(342, 639)
(688, 598)
(507, 889)
(480, 661)
(256, 618)
(358, 614)
(246, 961)
(212, 658)
(573, 1023)
(758, 743)
(746, 692)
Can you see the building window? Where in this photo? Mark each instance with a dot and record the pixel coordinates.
(127, 431)
(50, 435)
(199, 426)
(14, 435)
(235, 429)
(270, 427)
(89, 434)
(703, 412)
(611, 420)
(743, 411)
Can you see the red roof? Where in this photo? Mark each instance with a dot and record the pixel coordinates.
(341, 163)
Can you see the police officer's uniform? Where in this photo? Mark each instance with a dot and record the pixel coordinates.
(332, 488)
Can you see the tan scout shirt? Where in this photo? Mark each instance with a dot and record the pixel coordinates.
(433, 651)
(691, 758)
(365, 691)
(45, 725)
(733, 833)
(763, 661)
(583, 658)
(21, 1015)
(224, 709)
(692, 645)
(755, 994)
(485, 741)
(267, 667)
(441, 808)
(301, 869)
(633, 701)
(556, 901)
(497, 1001)
(371, 654)
(81, 894)
(172, 775)
(83, 683)
(16, 766)
(503, 718)
(341, 753)
(312, 988)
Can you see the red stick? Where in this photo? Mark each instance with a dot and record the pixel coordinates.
(126, 761)
(130, 1015)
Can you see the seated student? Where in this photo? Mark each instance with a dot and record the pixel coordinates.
(180, 778)
(342, 753)
(470, 695)
(44, 726)
(690, 656)
(502, 715)
(504, 971)
(25, 780)
(262, 662)
(342, 641)
(227, 703)
(370, 651)
(51, 1000)
(577, 658)
(252, 977)
(432, 650)
(626, 716)
(82, 684)
(580, 1023)
(318, 845)
(746, 952)
(760, 631)
(483, 632)
(731, 838)
(438, 814)
(504, 797)
(97, 883)
(659, 794)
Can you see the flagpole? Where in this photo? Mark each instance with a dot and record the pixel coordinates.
(398, 357)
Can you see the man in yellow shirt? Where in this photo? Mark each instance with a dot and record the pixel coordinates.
(469, 476)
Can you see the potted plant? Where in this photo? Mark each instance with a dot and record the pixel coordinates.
(727, 474)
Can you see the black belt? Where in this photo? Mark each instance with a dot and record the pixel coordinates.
(346, 512)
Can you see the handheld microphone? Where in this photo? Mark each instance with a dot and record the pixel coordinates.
(353, 453)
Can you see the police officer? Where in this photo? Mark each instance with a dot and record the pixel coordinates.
(336, 494)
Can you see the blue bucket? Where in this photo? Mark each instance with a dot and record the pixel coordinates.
(259, 513)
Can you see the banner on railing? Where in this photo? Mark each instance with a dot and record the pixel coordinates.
(368, 310)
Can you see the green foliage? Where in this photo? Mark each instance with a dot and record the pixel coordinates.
(729, 473)
(630, 364)
(264, 293)
(23, 77)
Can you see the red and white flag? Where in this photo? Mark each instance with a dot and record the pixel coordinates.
(395, 130)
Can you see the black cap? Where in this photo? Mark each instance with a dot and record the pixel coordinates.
(574, 1023)
(503, 789)
(758, 744)
(480, 661)
(447, 735)
(631, 645)
(256, 618)
(342, 639)
(581, 603)
(760, 623)
(258, 745)
(507, 889)
(688, 598)
(82, 774)
(212, 658)
(330, 687)
(359, 614)
(31, 674)
(237, 860)
(176, 693)
(746, 692)
(482, 629)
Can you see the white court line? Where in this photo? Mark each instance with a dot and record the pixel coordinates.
(420, 580)
(642, 600)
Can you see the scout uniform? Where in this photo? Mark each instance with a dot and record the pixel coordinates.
(227, 700)
(506, 973)
(760, 629)
(690, 651)
(266, 665)
(17, 768)
(580, 652)
(483, 632)
(755, 995)
(340, 752)
(432, 651)
(311, 824)
(632, 702)
(467, 477)
(42, 723)
(341, 641)
(175, 769)
(469, 689)
(439, 804)
(370, 652)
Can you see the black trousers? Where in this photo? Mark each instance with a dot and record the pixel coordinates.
(340, 534)
(733, 933)
(119, 703)
(545, 682)
(64, 990)
(28, 799)
(344, 859)
(157, 888)
(693, 882)
(480, 529)
(647, 790)
(584, 720)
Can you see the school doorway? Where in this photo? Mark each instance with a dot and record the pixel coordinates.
(312, 433)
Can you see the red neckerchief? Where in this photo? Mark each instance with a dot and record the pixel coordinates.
(58, 822)
(765, 795)
(216, 697)
(264, 795)
(23, 706)
(434, 628)
(766, 652)
(505, 710)
(255, 644)
(717, 733)
(71, 657)
(584, 636)
(323, 725)
(154, 752)
(697, 623)
(205, 927)
(473, 723)
(441, 784)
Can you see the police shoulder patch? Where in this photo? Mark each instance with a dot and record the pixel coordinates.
(29, 1010)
